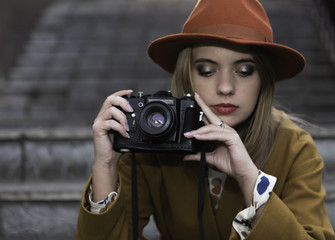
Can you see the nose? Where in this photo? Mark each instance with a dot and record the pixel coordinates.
(225, 84)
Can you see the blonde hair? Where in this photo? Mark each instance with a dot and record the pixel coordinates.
(181, 79)
(258, 132)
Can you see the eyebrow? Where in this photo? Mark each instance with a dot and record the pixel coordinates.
(243, 60)
(201, 60)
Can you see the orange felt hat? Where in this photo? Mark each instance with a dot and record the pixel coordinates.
(243, 22)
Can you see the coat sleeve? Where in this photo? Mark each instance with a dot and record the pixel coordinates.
(116, 221)
(296, 208)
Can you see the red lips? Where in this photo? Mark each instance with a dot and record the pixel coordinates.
(225, 108)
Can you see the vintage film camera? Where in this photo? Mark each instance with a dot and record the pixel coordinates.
(159, 122)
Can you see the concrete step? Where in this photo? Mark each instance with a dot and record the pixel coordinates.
(38, 220)
(45, 155)
(44, 211)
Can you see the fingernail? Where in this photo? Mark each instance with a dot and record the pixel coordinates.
(127, 135)
(130, 108)
(187, 134)
(196, 135)
(127, 128)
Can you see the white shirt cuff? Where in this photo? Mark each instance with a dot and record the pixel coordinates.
(262, 191)
(100, 206)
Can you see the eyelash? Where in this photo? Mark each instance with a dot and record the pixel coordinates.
(243, 71)
(205, 71)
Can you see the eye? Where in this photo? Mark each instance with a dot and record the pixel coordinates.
(205, 70)
(245, 70)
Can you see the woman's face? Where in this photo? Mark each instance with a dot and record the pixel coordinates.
(228, 82)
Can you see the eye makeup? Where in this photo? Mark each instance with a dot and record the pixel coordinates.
(245, 69)
(208, 67)
(205, 67)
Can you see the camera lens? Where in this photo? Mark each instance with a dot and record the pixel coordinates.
(157, 120)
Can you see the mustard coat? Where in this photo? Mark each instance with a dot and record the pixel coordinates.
(168, 188)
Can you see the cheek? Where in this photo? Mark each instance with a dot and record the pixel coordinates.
(201, 85)
(198, 86)
(205, 90)
(255, 93)
(252, 96)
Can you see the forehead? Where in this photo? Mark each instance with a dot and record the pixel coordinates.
(221, 52)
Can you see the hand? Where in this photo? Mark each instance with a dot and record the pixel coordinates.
(110, 117)
(230, 156)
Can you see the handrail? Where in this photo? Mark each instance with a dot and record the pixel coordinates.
(326, 13)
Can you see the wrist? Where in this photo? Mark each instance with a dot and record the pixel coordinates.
(104, 180)
(247, 184)
(104, 165)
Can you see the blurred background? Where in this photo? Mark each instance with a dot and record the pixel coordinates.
(59, 60)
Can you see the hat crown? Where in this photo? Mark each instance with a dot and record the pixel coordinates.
(242, 19)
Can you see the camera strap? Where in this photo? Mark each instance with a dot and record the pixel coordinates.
(201, 194)
(134, 196)
(201, 191)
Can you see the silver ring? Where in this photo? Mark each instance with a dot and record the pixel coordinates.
(221, 124)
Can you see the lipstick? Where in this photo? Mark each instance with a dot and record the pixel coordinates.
(225, 108)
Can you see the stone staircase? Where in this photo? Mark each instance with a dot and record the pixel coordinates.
(80, 52)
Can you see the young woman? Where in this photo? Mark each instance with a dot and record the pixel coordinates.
(264, 175)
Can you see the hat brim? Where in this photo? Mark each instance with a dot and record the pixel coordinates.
(164, 51)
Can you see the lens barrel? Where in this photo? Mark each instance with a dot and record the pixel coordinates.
(157, 120)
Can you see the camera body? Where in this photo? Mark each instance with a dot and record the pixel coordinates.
(158, 124)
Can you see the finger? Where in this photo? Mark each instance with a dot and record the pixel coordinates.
(116, 99)
(211, 117)
(114, 113)
(108, 125)
(197, 157)
(207, 129)
(211, 136)
(114, 125)
(192, 157)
